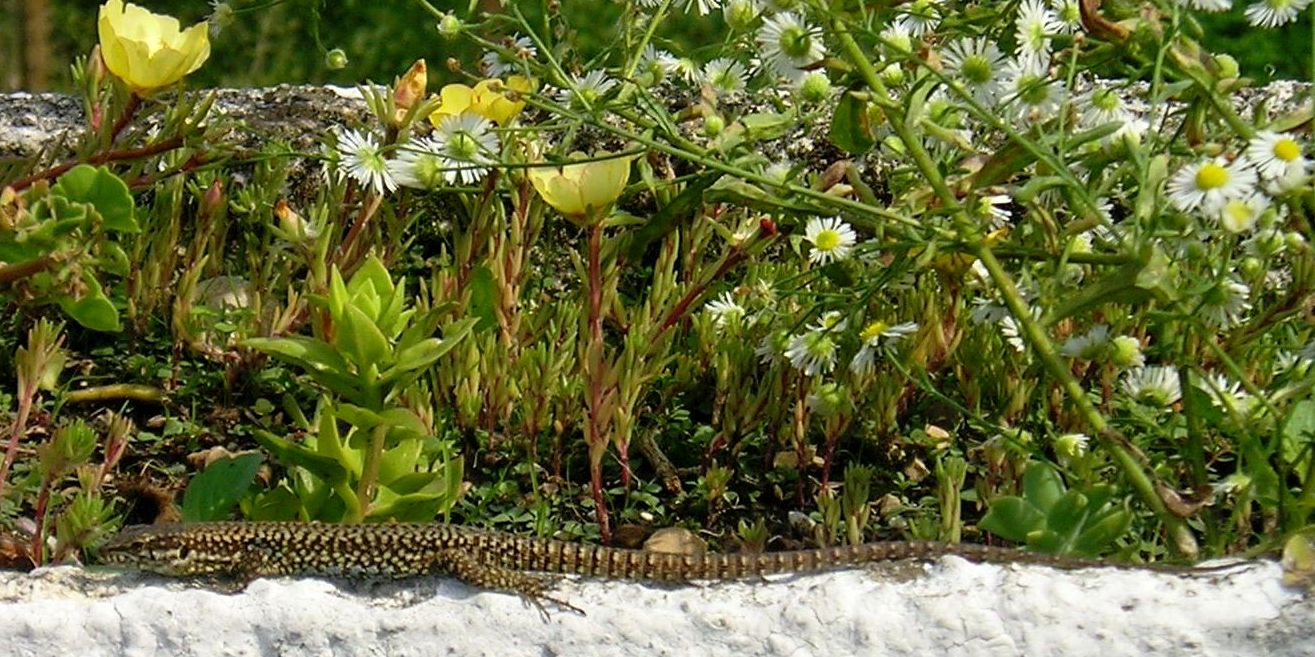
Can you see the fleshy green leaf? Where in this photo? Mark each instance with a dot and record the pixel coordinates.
(103, 190)
(1012, 518)
(214, 492)
(851, 127)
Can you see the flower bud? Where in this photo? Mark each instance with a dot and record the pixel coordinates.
(335, 59)
(449, 25)
(409, 89)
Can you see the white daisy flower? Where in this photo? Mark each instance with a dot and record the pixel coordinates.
(1273, 13)
(724, 76)
(1207, 5)
(812, 353)
(1033, 29)
(875, 336)
(496, 64)
(361, 159)
(920, 16)
(1072, 445)
(773, 347)
(991, 206)
(832, 239)
(1088, 346)
(1239, 215)
(741, 14)
(725, 311)
(788, 44)
(1013, 332)
(1068, 13)
(703, 6)
(1224, 304)
(1030, 94)
(467, 147)
(1153, 385)
(1224, 393)
(587, 90)
(978, 65)
(654, 64)
(419, 164)
(896, 40)
(1101, 105)
(1276, 155)
(1208, 184)
(831, 321)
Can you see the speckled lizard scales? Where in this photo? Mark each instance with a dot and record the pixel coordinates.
(483, 558)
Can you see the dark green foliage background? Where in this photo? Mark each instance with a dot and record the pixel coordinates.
(271, 44)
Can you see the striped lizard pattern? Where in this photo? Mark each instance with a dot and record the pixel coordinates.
(488, 559)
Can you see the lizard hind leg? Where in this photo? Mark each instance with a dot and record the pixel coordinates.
(470, 570)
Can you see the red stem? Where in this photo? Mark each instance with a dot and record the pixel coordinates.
(129, 111)
(594, 432)
(110, 156)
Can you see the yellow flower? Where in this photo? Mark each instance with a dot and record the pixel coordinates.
(582, 191)
(149, 51)
(488, 99)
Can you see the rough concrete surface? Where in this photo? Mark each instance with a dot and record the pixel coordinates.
(949, 607)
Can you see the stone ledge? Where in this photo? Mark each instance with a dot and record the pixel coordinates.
(950, 606)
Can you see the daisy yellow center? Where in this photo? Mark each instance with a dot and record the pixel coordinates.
(1105, 100)
(795, 42)
(827, 240)
(1287, 150)
(872, 330)
(1034, 90)
(976, 69)
(1211, 176)
(1238, 211)
(462, 146)
(821, 347)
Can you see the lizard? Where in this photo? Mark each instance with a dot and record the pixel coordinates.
(491, 559)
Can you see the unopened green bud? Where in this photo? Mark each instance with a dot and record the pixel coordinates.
(335, 59)
(1295, 241)
(740, 14)
(1227, 66)
(1125, 352)
(829, 400)
(893, 75)
(713, 124)
(814, 87)
(449, 25)
(1252, 267)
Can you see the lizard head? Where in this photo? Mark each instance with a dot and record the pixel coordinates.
(167, 550)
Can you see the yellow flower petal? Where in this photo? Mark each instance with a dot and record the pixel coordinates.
(146, 50)
(582, 192)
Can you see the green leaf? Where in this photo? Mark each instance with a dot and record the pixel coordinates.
(1299, 434)
(1002, 165)
(1148, 277)
(766, 126)
(1042, 485)
(289, 453)
(362, 418)
(103, 190)
(94, 310)
(1012, 518)
(1068, 515)
(374, 274)
(851, 127)
(362, 341)
(213, 493)
(310, 353)
(483, 298)
(1102, 533)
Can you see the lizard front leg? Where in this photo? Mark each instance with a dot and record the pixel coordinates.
(468, 569)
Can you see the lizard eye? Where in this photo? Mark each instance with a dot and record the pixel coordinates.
(184, 551)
